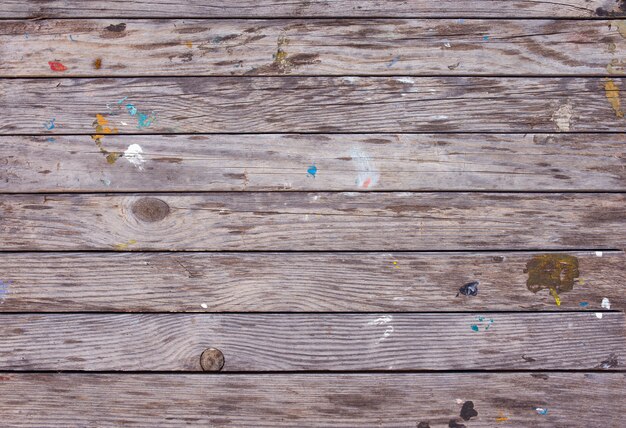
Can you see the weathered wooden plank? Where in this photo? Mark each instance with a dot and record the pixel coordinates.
(323, 400)
(329, 47)
(293, 342)
(302, 8)
(386, 400)
(309, 104)
(513, 162)
(313, 221)
(312, 282)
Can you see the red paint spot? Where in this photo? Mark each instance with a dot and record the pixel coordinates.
(367, 183)
(56, 66)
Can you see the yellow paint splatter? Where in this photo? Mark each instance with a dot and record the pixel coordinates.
(189, 44)
(616, 66)
(124, 246)
(612, 94)
(557, 299)
(501, 417)
(395, 264)
(621, 26)
(100, 125)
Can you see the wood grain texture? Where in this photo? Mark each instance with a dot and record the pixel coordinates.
(404, 162)
(310, 104)
(313, 221)
(292, 282)
(302, 8)
(294, 342)
(325, 400)
(328, 47)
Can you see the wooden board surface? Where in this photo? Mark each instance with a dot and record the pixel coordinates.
(294, 282)
(325, 400)
(96, 47)
(313, 221)
(297, 342)
(302, 8)
(309, 104)
(405, 162)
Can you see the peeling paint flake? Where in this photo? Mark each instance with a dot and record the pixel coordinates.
(367, 175)
(134, 155)
(562, 117)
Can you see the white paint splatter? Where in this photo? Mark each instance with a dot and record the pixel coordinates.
(606, 303)
(447, 44)
(367, 175)
(459, 401)
(204, 305)
(598, 253)
(134, 155)
(405, 80)
(563, 117)
(599, 315)
(384, 320)
(440, 117)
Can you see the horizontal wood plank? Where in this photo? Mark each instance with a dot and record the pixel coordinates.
(311, 282)
(313, 221)
(302, 8)
(308, 104)
(404, 162)
(328, 47)
(325, 400)
(294, 342)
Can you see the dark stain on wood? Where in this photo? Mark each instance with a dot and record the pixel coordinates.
(468, 411)
(150, 210)
(610, 363)
(423, 425)
(116, 28)
(454, 424)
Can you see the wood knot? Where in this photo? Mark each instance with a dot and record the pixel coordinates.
(150, 209)
(212, 360)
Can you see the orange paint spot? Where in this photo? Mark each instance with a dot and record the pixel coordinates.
(612, 94)
(97, 64)
(100, 125)
(56, 66)
(189, 44)
(502, 419)
(367, 183)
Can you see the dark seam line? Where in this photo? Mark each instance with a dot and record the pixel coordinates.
(320, 313)
(316, 76)
(384, 250)
(104, 192)
(314, 372)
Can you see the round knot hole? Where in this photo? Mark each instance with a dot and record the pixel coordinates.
(150, 210)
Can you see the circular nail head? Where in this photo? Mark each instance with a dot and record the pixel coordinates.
(212, 360)
(150, 209)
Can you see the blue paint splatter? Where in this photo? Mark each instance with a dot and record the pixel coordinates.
(132, 110)
(583, 304)
(393, 61)
(461, 20)
(4, 289)
(541, 411)
(482, 322)
(122, 100)
(51, 140)
(49, 124)
(312, 171)
(143, 120)
(485, 38)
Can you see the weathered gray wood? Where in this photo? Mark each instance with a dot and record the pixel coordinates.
(239, 282)
(302, 8)
(293, 342)
(309, 104)
(557, 162)
(313, 221)
(594, 400)
(328, 47)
